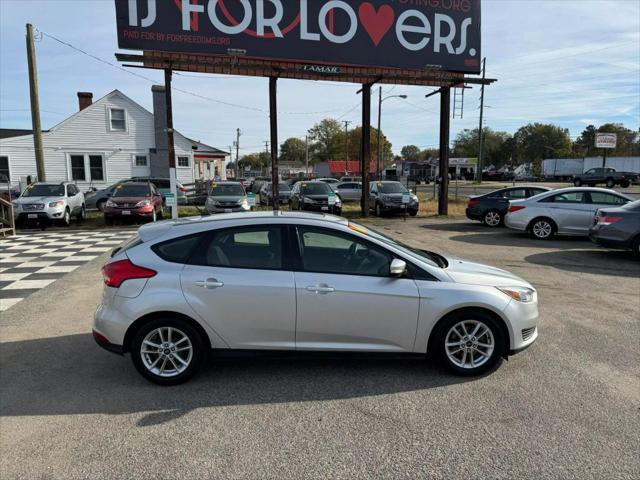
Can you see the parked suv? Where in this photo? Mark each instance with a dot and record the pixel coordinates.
(387, 197)
(315, 196)
(319, 283)
(227, 197)
(46, 202)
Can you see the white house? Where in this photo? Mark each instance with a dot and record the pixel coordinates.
(109, 140)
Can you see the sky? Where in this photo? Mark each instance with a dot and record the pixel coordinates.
(567, 62)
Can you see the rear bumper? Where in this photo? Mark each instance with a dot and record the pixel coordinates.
(515, 223)
(473, 214)
(106, 344)
(616, 243)
(134, 212)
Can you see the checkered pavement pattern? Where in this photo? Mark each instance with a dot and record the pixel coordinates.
(31, 261)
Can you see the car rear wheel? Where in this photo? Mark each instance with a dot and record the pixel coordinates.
(542, 228)
(577, 182)
(610, 183)
(167, 351)
(492, 218)
(469, 343)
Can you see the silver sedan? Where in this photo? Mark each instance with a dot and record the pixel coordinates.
(349, 191)
(304, 282)
(567, 211)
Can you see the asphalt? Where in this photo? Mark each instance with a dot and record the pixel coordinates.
(569, 407)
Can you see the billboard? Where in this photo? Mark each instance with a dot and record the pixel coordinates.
(407, 34)
(606, 140)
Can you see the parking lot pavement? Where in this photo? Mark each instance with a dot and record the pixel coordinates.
(31, 261)
(566, 408)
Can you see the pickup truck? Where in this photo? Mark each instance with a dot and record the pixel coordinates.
(605, 175)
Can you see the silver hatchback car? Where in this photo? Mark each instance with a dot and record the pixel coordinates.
(566, 211)
(305, 282)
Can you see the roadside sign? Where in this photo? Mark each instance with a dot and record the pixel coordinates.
(251, 199)
(332, 198)
(606, 140)
(170, 199)
(405, 198)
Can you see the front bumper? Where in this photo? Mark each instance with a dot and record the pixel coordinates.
(522, 322)
(319, 207)
(46, 215)
(400, 207)
(233, 209)
(144, 212)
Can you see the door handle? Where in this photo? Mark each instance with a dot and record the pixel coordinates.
(322, 288)
(209, 283)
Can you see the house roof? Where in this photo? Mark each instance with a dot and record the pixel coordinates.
(203, 148)
(15, 132)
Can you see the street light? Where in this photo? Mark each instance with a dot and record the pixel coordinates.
(380, 100)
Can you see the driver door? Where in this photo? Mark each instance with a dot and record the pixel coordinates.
(346, 299)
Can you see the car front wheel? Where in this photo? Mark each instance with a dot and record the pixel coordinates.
(66, 218)
(167, 351)
(610, 183)
(470, 343)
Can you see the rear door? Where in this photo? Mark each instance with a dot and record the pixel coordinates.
(347, 300)
(240, 283)
(571, 212)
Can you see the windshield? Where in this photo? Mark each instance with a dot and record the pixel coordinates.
(425, 256)
(318, 188)
(132, 191)
(633, 206)
(44, 191)
(394, 187)
(226, 189)
(281, 187)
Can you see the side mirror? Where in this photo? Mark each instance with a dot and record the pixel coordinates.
(398, 268)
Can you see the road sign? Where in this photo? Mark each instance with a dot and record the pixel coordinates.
(170, 199)
(606, 140)
(332, 198)
(251, 199)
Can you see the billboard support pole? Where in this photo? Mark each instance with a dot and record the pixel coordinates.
(445, 110)
(273, 116)
(365, 147)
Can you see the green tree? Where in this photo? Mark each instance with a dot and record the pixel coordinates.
(410, 153)
(293, 150)
(466, 145)
(628, 141)
(537, 141)
(328, 140)
(355, 141)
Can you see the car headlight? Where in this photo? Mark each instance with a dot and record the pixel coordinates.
(338, 201)
(308, 200)
(414, 198)
(59, 203)
(243, 202)
(143, 203)
(110, 203)
(521, 294)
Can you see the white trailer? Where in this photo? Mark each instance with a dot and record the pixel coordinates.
(566, 168)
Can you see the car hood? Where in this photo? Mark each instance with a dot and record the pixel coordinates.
(23, 200)
(120, 200)
(226, 198)
(464, 271)
(318, 197)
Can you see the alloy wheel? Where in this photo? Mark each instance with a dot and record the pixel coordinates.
(469, 344)
(542, 229)
(492, 218)
(166, 352)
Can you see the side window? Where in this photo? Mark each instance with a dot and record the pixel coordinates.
(517, 193)
(535, 191)
(569, 197)
(328, 251)
(72, 190)
(590, 172)
(177, 250)
(258, 247)
(606, 199)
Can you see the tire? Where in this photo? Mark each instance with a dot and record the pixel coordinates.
(100, 205)
(577, 182)
(161, 214)
(81, 216)
(542, 228)
(625, 184)
(492, 218)
(413, 213)
(66, 218)
(143, 359)
(378, 210)
(610, 183)
(635, 247)
(458, 350)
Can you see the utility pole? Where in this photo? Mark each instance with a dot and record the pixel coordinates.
(266, 146)
(346, 151)
(480, 134)
(35, 104)
(379, 127)
(306, 155)
(238, 133)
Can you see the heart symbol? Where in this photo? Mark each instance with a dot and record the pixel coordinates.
(377, 24)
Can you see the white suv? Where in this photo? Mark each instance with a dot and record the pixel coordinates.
(296, 281)
(46, 202)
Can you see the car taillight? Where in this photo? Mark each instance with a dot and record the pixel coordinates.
(473, 202)
(117, 272)
(515, 208)
(608, 220)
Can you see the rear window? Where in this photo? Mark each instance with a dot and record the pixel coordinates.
(177, 250)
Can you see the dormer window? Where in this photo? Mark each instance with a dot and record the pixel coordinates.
(117, 120)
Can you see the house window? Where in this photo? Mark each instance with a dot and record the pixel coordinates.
(4, 169)
(96, 168)
(77, 168)
(141, 161)
(118, 121)
(183, 162)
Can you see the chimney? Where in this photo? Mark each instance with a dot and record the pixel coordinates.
(85, 99)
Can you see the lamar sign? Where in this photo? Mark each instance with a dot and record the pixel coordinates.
(408, 34)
